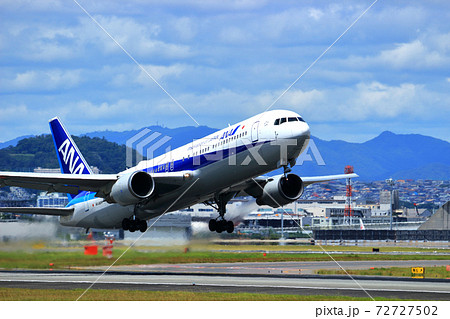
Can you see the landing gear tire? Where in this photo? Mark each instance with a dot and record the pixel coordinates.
(212, 225)
(229, 226)
(142, 226)
(134, 224)
(126, 224)
(220, 226)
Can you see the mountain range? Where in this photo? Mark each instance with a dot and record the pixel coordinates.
(400, 156)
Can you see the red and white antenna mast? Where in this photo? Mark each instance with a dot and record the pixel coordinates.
(348, 212)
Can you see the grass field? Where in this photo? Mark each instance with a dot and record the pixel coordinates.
(13, 294)
(430, 272)
(384, 247)
(40, 256)
(41, 259)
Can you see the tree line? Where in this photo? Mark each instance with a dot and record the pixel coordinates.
(39, 151)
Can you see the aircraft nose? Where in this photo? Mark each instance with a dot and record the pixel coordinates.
(301, 130)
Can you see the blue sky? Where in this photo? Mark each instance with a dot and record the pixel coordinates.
(224, 61)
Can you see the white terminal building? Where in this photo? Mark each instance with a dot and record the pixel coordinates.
(312, 213)
(51, 200)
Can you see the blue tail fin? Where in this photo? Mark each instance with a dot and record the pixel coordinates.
(70, 159)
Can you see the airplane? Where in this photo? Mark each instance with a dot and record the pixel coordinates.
(212, 170)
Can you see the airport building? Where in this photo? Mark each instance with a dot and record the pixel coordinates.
(52, 200)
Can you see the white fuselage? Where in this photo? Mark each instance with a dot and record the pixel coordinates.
(218, 162)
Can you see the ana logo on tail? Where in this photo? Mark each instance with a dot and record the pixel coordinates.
(68, 153)
(70, 158)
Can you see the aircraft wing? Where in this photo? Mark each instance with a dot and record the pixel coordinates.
(53, 211)
(62, 183)
(317, 179)
(254, 186)
(73, 183)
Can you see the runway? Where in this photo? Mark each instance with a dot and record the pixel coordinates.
(265, 268)
(232, 278)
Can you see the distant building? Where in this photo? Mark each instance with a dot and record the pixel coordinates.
(361, 212)
(52, 200)
(385, 200)
(17, 197)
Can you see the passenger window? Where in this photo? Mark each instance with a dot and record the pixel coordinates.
(277, 122)
(282, 120)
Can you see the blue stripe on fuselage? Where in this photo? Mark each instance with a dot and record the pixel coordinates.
(199, 161)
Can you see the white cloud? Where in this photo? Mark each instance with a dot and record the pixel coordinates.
(56, 41)
(382, 101)
(413, 55)
(220, 5)
(31, 5)
(12, 112)
(225, 60)
(304, 101)
(222, 102)
(41, 50)
(231, 34)
(185, 27)
(42, 80)
(159, 72)
(316, 14)
(429, 52)
(367, 102)
(102, 111)
(139, 39)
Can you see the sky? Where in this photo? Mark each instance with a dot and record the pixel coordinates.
(220, 62)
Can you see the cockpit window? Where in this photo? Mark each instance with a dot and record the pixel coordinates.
(289, 119)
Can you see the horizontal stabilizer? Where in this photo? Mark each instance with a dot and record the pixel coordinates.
(52, 211)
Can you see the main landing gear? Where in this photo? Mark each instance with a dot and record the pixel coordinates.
(220, 224)
(134, 224)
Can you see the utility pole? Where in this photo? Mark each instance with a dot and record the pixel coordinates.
(348, 212)
(390, 182)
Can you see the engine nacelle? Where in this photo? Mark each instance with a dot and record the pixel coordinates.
(281, 191)
(132, 188)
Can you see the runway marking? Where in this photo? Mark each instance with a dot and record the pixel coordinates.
(227, 285)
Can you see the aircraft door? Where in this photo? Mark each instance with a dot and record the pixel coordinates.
(255, 131)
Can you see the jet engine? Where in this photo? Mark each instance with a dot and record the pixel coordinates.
(281, 191)
(132, 188)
